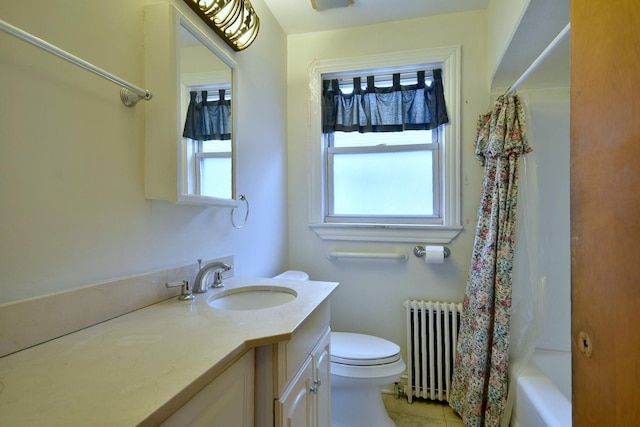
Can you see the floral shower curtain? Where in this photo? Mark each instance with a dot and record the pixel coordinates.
(479, 386)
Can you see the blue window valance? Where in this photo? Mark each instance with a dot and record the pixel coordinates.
(384, 109)
(208, 120)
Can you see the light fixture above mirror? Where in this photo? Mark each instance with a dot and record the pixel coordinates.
(235, 21)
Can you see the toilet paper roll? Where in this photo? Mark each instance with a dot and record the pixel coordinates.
(434, 254)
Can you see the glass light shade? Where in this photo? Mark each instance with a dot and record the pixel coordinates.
(235, 21)
(228, 15)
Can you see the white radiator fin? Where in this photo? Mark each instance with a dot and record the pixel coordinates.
(432, 338)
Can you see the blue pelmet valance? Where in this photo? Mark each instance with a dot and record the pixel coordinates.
(384, 109)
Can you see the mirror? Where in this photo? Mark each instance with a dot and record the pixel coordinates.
(206, 90)
(190, 126)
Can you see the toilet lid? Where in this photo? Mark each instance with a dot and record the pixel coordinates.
(359, 349)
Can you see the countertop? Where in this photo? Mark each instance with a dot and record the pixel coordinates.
(141, 366)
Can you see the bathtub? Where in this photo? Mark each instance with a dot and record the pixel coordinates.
(543, 394)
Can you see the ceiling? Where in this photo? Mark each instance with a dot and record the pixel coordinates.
(541, 22)
(297, 16)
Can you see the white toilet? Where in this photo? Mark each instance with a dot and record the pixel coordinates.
(360, 365)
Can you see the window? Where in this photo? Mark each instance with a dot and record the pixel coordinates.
(398, 168)
(208, 155)
(386, 186)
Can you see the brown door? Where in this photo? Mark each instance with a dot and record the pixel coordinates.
(605, 212)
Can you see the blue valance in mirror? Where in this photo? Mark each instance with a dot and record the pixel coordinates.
(208, 119)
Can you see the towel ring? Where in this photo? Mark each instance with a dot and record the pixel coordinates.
(246, 215)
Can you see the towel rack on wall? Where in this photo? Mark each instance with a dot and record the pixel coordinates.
(129, 94)
(246, 214)
(399, 256)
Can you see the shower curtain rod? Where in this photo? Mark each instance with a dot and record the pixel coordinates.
(129, 94)
(534, 65)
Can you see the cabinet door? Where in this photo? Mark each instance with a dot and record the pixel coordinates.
(226, 401)
(322, 382)
(294, 408)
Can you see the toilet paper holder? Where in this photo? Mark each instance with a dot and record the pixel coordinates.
(420, 251)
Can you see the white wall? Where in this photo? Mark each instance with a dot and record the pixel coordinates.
(72, 208)
(503, 16)
(370, 297)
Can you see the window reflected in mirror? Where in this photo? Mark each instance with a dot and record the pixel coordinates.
(206, 112)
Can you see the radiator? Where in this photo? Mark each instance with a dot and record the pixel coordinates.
(432, 335)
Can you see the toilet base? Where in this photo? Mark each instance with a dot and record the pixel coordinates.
(358, 407)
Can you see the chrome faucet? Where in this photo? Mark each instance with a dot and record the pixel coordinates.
(200, 285)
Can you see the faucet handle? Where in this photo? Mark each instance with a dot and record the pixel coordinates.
(217, 275)
(217, 279)
(186, 293)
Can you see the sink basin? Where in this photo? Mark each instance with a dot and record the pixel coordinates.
(252, 298)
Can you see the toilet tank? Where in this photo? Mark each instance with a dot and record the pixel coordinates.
(293, 275)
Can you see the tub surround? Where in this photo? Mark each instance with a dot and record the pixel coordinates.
(141, 367)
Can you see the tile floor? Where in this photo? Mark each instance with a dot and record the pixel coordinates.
(420, 413)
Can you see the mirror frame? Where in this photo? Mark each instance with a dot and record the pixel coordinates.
(165, 162)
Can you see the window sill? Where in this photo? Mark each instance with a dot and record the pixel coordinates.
(395, 233)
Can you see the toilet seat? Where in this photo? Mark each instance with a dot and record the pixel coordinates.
(359, 357)
(362, 350)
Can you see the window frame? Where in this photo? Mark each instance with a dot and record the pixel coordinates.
(433, 147)
(446, 58)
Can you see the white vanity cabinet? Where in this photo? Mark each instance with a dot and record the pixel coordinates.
(295, 374)
(227, 401)
(294, 407)
(305, 401)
